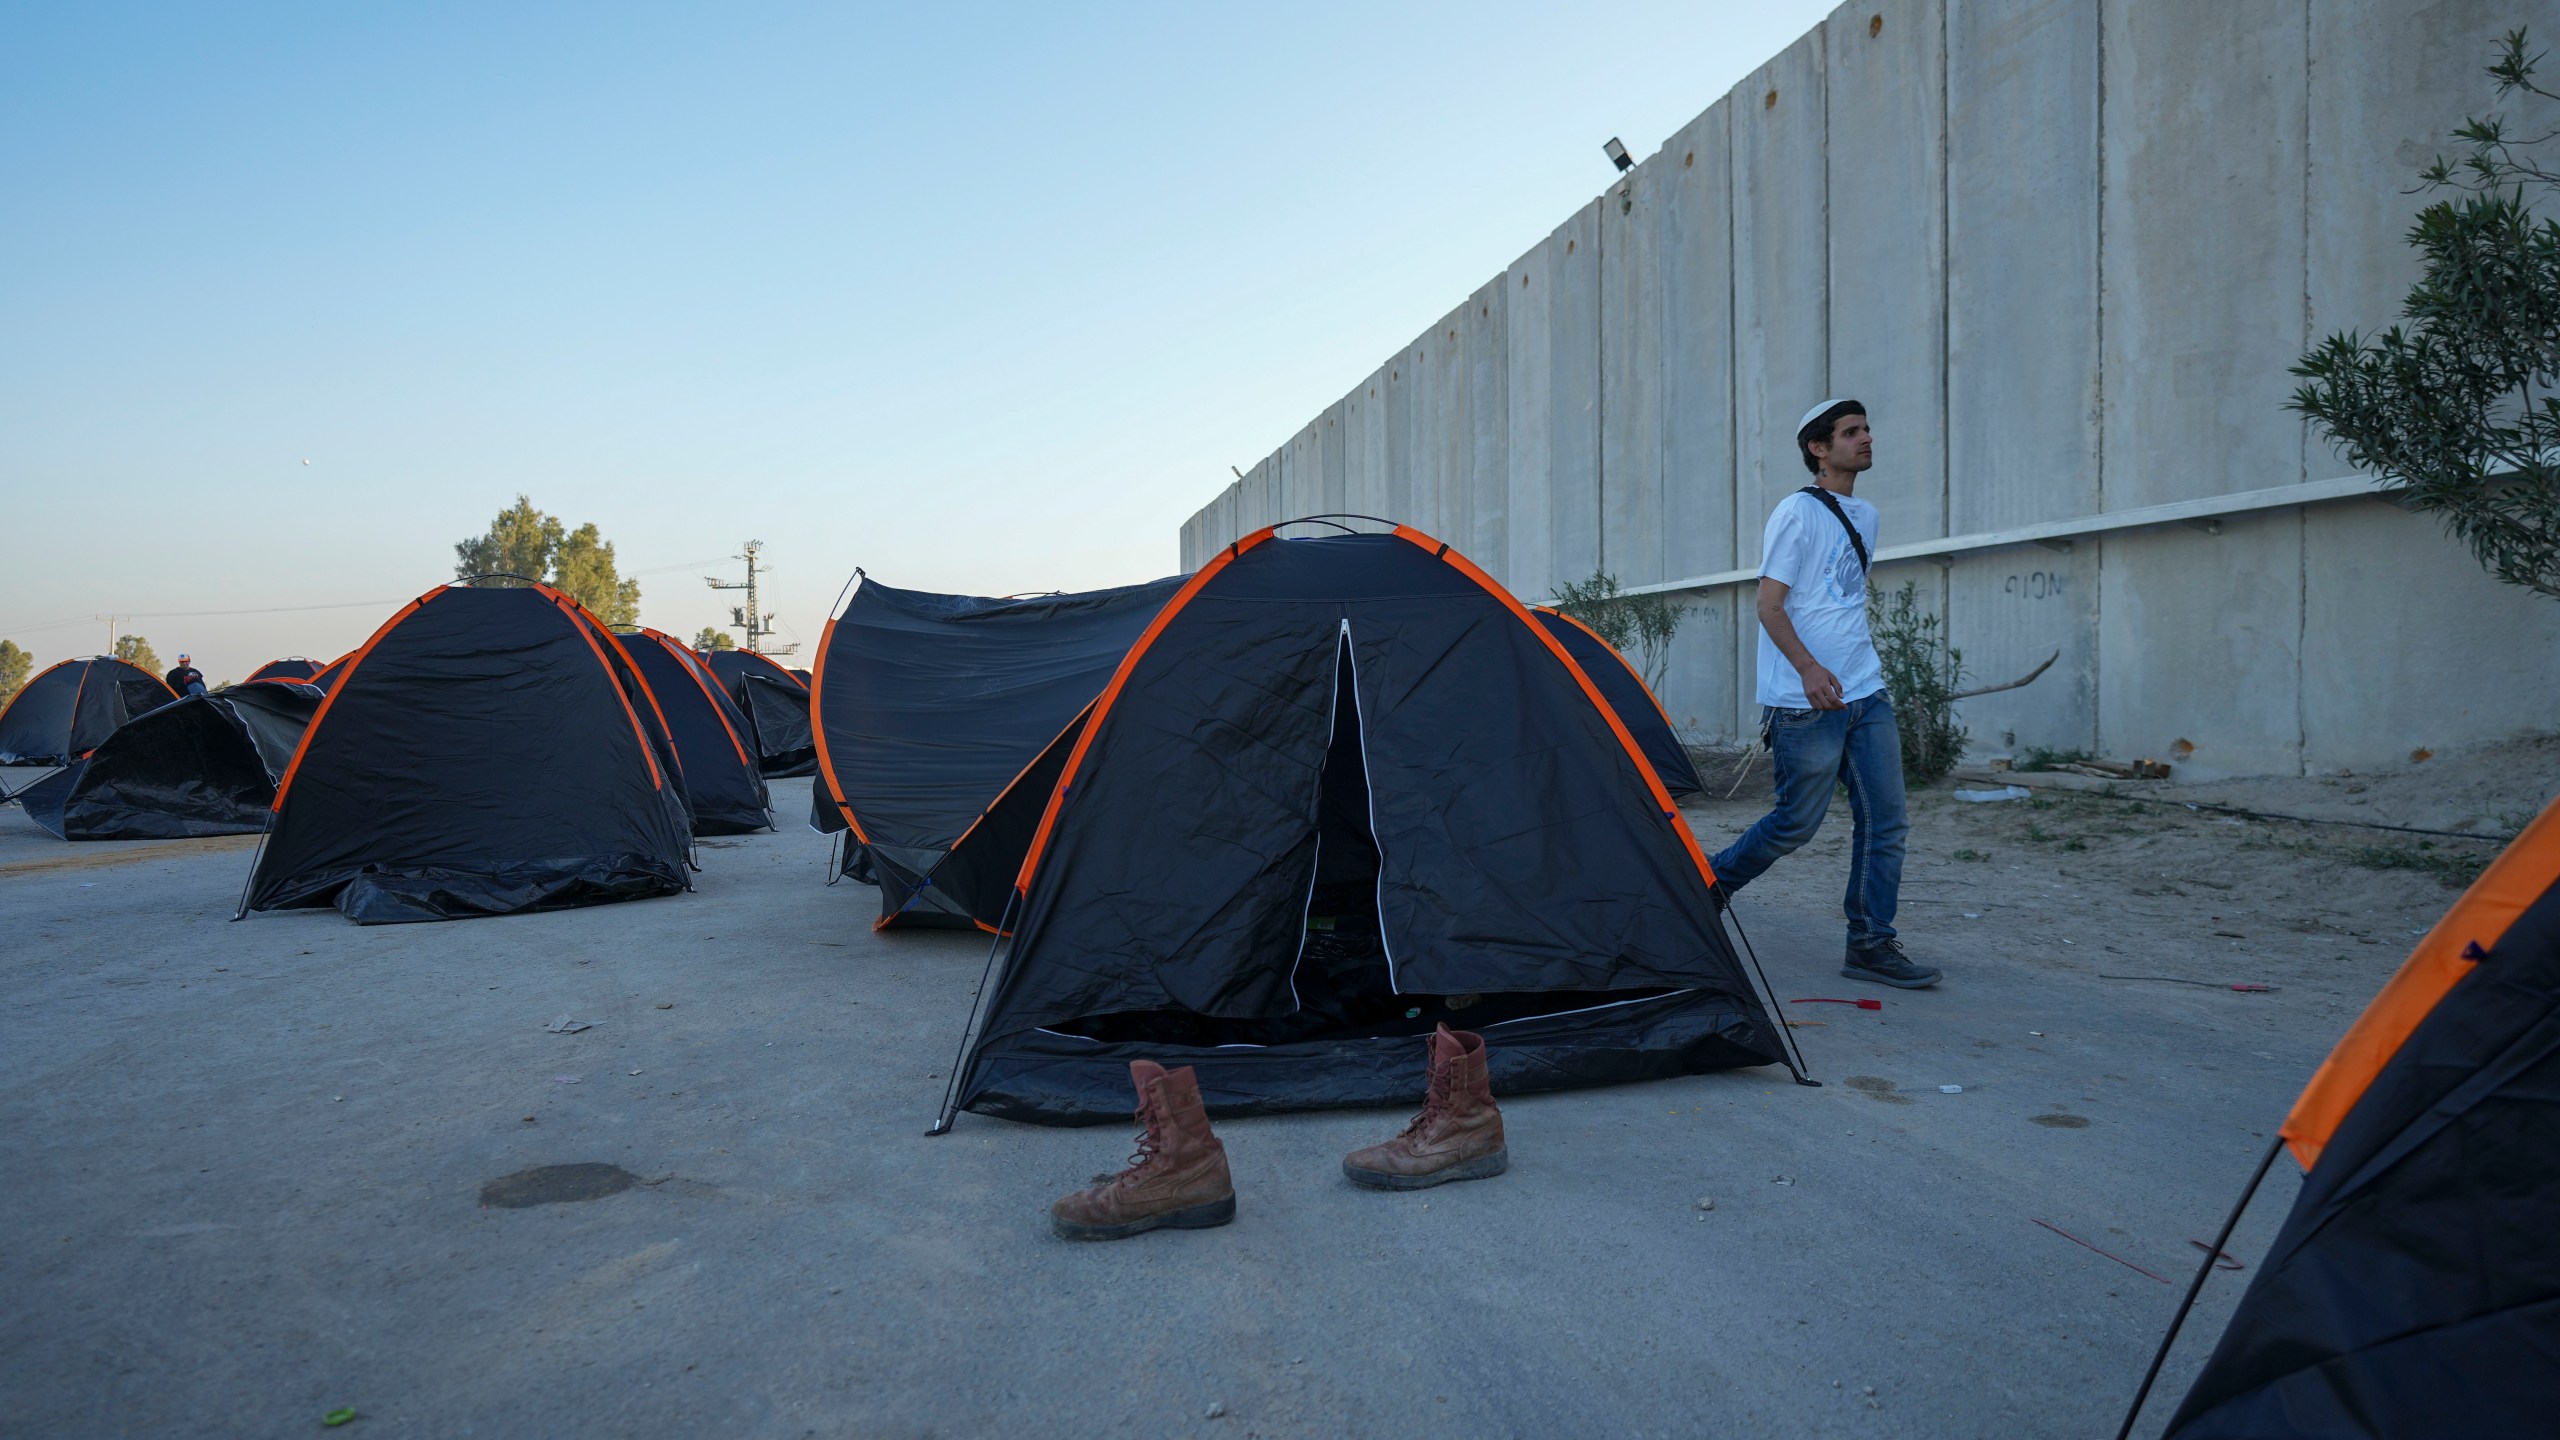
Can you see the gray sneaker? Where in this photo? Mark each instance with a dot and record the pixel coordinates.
(1885, 964)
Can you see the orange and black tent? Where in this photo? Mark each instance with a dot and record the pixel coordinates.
(293, 667)
(941, 722)
(712, 740)
(70, 708)
(1627, 694)
(204, 765)
(2415, 1288)
(488, 751)
(776, 704)
(1341, 790)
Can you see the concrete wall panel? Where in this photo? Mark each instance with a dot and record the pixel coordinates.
(1573, 399)
(1331, 498)
(1396, 479)
(1885, 89)
(1630, 225)
(2202, 247)
(1365, 446)
(1528, 419)
(1781, 284)
(2009, 609)
(2022, 262)
(1486, 537)
(2408, 644)
(2381, 108)
(1446, 431)
(2215, 664)
(1695, 195)
(1696, 200)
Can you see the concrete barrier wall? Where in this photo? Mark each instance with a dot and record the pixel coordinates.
(2065, 250)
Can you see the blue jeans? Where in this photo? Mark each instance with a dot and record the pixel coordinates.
(1860, 748)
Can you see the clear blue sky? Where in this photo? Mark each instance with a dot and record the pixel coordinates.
(981, 298)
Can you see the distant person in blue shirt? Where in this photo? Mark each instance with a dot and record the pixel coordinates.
(1823, 709)
(186, 679)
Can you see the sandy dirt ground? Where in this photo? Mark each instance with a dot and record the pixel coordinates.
(2138, 879)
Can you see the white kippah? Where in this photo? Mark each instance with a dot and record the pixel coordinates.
(1816, 412)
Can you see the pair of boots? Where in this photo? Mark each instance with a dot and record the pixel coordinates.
(1179, 1178)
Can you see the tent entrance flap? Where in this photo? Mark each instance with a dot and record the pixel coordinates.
(1340, 974)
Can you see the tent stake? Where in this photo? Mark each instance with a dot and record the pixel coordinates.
(2195, 1286)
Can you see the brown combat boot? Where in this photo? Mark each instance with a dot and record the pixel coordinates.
(1177, 1178)
(1458, 1135)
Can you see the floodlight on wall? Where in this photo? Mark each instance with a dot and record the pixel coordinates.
(1618, 155)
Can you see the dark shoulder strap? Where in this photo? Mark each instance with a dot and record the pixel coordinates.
(1857, 542)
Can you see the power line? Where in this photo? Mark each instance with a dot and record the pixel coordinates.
(196, 614)
(283, 609)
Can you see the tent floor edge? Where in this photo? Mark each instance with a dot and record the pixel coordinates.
(1046, 1077)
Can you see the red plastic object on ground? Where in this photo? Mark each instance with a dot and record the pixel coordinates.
(1827, 1000)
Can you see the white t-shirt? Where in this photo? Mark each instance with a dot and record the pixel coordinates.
(1805, 550)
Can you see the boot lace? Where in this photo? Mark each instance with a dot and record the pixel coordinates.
(1143, 1155)
(1435, 1103)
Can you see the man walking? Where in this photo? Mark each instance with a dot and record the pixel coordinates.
(1823, 710)
(186, 679)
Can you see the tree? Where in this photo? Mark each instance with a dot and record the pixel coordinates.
(520, 542)
(708, 638)
(526, 543)
(137, 651)
(14, 667)
(583, 566)
(1641, 625)
(2458, 408)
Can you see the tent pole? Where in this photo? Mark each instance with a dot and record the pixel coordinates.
(977, 1005)
(243, 912)
(1787, 1035)
(2196, 1285)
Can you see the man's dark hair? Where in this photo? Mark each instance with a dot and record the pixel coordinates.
(1820, 430)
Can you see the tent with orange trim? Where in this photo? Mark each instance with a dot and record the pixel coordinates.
(941, 722)
(488, 751)
(292, 667)
(2415, 1289)
(1343, 789)
(1627, 694)
(71, 707)
(712, 741)
(776, 704)
(204, 765)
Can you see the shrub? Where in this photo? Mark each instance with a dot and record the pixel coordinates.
(1921, 673)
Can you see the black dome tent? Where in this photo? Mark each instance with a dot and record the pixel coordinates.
(292, 667)
(711, 738)
(1341, 790)
(941, 722)
(776, 704)
(1627, 694)
(2415, 1289)
(204, 765)
(69, 709)
(488, 751)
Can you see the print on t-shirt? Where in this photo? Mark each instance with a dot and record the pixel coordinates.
(1848, 577)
